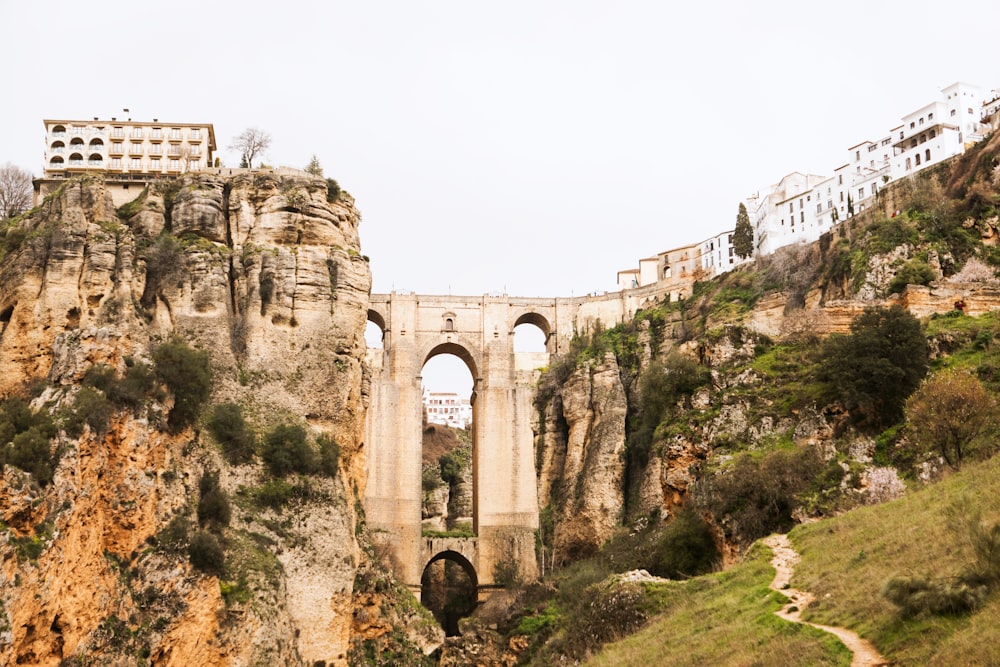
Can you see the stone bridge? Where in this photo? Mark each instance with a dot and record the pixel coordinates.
(480, 332)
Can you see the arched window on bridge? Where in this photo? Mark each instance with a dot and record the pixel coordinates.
(375, 331)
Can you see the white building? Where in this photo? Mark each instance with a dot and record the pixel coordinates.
(718, 254)
(785, 213)
(939, 130)
(447, 408)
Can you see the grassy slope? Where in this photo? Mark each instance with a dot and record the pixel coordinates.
(726, 618)
(846, 560)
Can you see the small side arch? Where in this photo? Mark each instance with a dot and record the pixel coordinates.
(541, 322)
(456, 557)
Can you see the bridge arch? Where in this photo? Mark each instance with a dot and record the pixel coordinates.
(459, 350)
(449, 589)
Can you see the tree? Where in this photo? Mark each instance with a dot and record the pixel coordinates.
(875, 368)
(949, 414)
(743, 236)
(314, 167)
(15, 190)
(250, 143)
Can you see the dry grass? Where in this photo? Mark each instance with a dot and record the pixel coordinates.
(724, 619)
(846, 561)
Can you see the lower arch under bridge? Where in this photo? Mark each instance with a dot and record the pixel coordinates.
(478, 330)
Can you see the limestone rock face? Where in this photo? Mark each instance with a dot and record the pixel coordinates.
(587, 464)
(264, 274)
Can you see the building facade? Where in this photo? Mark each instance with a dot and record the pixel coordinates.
(124, 151)
(447, 408)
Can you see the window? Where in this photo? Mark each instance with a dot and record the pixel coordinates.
(194, 165)
(908, 164)
(912, 125)
(136, 163)
(118, 132)
(874, 189)
(841, 197)
(918, 159)
(136, 147)
(196, 149)
(932, 134)
(195, 133)
(921, 120)
(927, 155)
(154, 163)
(861, 193)
(802, 216)
(156, 149)
(953, 112)
(116, 163)
(819, 208)
(117, 147)
(157, 133)
(970, 111)
(930, 116)
(175, 133)
(137, 133)
(791, 207)
(857, 155)
(829, 203)
(800, 203)
(840, 179)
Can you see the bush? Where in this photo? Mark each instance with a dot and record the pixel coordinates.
(329, 455)
(914, 272)
(25, 439)
(174, 537)
(950, 415)
(875, 368)
(92, 408)
(686, 548)
(918, 595)
(187, 375)
(661, 387)
(214, 512)
(756, 496)
(229, 427)
(287, 450)
(164, 266)
(206, 553)
(274, 493)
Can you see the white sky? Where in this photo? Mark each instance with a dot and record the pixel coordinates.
(533, 148)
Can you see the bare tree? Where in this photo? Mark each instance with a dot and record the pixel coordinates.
(15, 190)
(251, 142)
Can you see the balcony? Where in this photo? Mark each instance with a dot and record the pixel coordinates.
(135, 149)
(116, 149)
(60, 133)
(76, 163)
(95, 163)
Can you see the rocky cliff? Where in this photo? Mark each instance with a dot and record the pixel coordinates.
(262, 272)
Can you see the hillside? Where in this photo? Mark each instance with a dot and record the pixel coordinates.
(776, 395)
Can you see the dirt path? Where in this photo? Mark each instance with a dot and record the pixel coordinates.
(785, 558)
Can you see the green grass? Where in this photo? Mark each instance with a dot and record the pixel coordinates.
(846, 561)
(724, 619)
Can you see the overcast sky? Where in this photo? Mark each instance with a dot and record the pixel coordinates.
(533, 148)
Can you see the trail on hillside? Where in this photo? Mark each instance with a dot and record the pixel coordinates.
(785, 558)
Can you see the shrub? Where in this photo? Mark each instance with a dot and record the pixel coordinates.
(130, 391)
(187, 375)
(206, 553)
(686, 548)
(875, 368)
(214, 512)
(914, 272)
(917, 595)
(25, 439)
(756, 496)
(661, 387)
(164, 266)
(30, 451)
(174, 537)
(92, 408)
(329, 455)
(332, 190)
(274, 493)
(950, 414)
(229, 427)
(287, 450)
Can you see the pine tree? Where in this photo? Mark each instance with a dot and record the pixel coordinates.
(314, 167)
(743, 236)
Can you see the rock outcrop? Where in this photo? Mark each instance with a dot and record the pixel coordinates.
(264, 274)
